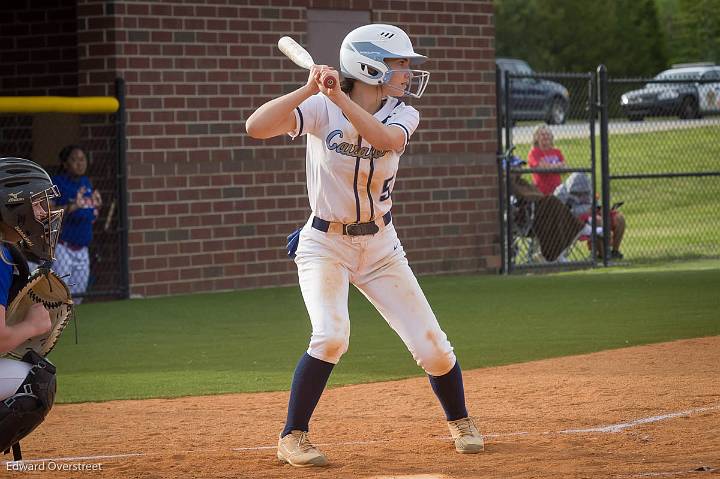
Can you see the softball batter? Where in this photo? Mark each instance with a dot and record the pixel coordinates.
(355, 136)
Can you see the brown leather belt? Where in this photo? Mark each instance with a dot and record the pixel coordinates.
(352, 229)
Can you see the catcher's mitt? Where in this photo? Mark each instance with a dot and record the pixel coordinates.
(51, 291)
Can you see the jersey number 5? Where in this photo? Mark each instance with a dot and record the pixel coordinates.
(386, 192)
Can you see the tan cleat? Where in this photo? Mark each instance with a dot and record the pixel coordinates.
(468, 439)
(296, 450)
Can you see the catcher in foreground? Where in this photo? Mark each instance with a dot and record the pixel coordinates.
(33, 309)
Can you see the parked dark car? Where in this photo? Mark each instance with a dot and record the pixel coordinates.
(688, 91)
(532, 98)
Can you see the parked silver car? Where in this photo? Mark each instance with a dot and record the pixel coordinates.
(687, 90)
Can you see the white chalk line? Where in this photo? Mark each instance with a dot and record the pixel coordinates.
(646, 420)
(612, 428)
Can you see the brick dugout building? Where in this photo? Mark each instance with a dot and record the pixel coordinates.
(209, 207)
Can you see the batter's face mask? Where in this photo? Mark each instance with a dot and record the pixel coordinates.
(403, 81)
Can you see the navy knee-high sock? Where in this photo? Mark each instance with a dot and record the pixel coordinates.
(308, 384)
(451, 393)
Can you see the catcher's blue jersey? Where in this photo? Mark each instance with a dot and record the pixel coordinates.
(6, 274)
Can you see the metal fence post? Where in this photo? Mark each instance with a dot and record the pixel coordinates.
(507, 117)
(499, 158)
(120, 122)
(508, 145)
(604, 160)
(592, 116)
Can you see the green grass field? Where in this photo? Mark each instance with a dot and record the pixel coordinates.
(667, 217)
(250, 340)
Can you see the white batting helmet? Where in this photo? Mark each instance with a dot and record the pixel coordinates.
(364, 50)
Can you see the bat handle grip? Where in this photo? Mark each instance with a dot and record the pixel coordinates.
(329, 83)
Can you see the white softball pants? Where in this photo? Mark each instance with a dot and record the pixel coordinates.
(73, 266)
(376, 265)
(12, 375)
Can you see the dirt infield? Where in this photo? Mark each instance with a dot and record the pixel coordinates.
(648, 411)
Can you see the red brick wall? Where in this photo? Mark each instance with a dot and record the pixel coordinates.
(210, 207)
(97, 30)
(38, 48)
(38, 56)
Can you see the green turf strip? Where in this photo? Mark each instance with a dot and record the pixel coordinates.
(250, 340)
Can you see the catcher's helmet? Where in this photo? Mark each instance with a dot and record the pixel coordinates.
(25, 194)
(363, 54)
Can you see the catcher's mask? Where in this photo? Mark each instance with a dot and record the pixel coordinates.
(26, 194)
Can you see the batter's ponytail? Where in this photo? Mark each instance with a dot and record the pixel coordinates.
(347, 85)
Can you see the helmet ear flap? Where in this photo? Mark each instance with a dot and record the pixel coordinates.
(372, 73)
(370, 70)
(354, 64)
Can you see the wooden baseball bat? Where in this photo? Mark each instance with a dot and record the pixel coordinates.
(301, 57)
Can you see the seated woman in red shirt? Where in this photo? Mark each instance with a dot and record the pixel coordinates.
(544, 155)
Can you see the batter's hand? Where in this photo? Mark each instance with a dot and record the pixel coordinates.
(329, 72)
(316, 72)
(311, 83)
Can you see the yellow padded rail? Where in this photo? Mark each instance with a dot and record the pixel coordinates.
(58, 104)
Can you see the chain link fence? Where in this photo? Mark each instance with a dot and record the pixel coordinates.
(100, 136)
(662, 173)
(539, 229)
(664, 164)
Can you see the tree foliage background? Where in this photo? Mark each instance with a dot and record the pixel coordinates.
(631, 37)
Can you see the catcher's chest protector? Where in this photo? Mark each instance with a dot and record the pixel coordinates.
(21, 413)
(23, 272)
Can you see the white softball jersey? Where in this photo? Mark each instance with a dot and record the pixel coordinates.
(348, 180)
